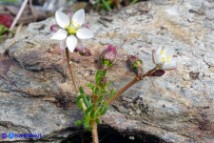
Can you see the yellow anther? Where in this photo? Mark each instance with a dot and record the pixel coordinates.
(169, 58)
(75, 24)
(163, 59)
(166, 59)
(162, 52)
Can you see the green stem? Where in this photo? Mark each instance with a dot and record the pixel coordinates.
(131, 83)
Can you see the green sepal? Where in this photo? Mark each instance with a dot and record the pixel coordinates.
(137, 63)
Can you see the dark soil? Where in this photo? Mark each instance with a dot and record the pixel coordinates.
(109, 135)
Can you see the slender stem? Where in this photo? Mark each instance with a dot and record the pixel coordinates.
(73, 77)
(136, 79)
(71, 70)
(19, 14)
(94, 132)
(131, 83)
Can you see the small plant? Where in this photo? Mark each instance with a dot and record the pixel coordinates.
(95, 104)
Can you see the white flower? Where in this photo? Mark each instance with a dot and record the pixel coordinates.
(71, 29)
(165, 58)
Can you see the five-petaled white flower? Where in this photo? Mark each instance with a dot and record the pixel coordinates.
(165, 58)
(71, 29)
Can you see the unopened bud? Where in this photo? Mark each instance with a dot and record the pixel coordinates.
(6, 20)
(108, 56)
(54, 28)
(135, 64)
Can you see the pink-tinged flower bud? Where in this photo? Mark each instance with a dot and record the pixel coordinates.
(135, 64)
(83, 51)
(108, 56)
(6, 20)
(70, 12)
(54, 28)
(86, 25)
(164, 58)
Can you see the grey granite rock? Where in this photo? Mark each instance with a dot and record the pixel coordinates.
(177, 107)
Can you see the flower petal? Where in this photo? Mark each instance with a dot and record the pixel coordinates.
(171, 65)
(158, 56)
(84, 33)
(59, 35)
(78, 18)
(169, 51)
(71, 42)
(62, 19)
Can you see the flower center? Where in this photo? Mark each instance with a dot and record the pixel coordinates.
(165, 58)
(71, 30)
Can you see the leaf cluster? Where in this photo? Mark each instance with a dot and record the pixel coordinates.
(3, 29)
(95, 104)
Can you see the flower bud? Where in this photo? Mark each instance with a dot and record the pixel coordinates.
(108, 56)
(135, 64)
(6, 20)
(54, 28)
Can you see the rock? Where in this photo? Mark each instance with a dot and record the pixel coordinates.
(37, 95)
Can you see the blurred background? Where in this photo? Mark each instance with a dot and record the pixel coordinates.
(16, 14)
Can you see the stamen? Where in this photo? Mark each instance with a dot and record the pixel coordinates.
(163, 59)
(162, 52)
(75, 24)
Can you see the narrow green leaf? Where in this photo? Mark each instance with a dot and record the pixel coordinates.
(78, 102)
(89, 109)
(93, 115)
(99, 75)
(81, 90)
(99, 99)
(98, 121)
(112, 93)
(103, 108)
(91, 86)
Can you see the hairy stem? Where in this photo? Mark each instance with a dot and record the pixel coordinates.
(71, 70)
(131, 83)
(94, 132)
(73, 78)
